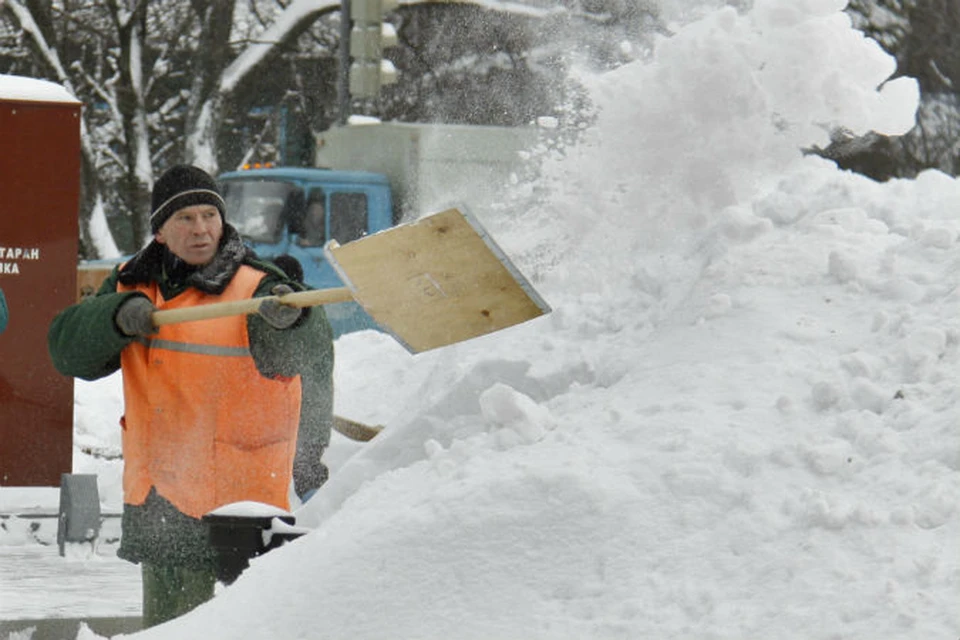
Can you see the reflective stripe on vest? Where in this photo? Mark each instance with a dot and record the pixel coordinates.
(201, 424)
(205, 349)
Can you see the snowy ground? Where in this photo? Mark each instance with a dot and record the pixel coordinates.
(740, 420)
(39, 583)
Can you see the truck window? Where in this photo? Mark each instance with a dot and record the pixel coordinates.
(348, 216)
(256, 207)
(314, 233)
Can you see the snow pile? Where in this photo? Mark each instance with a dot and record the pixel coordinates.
(739, 421)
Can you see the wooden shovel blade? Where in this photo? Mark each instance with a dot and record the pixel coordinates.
(435, 282)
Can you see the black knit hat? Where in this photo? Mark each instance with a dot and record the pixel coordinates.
(183, 186)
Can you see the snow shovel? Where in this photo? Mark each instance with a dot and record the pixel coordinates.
(430, 283)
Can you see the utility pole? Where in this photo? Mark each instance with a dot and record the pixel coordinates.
(343, 77)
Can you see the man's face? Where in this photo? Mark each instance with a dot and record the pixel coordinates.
(193, 233)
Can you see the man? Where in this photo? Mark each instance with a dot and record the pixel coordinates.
(211, 407)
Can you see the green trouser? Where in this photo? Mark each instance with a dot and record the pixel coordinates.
(169, 591)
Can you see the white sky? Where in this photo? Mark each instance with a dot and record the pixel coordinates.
(738, 422)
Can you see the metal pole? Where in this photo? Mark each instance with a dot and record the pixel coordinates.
(343, 84)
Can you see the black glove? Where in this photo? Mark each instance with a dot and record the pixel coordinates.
(277, 315)
(135, 317)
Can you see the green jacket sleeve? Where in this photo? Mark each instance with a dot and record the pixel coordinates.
(83, 339)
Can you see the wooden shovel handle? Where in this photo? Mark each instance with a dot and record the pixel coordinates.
(297, 299)
(356, 430)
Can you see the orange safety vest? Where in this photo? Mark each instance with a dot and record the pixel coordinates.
(201, 423)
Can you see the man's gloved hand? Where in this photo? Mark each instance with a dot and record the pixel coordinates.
(277, 315)
(135, 317)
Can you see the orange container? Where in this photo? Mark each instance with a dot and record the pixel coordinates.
(39, 204)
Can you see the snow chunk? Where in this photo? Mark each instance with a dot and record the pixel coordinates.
(841, 268)
(869, 396)
(719, 304)
(548, 122)
(825, 396)
(896, 107)
(938, 238)
(507, 407)
(360, 120)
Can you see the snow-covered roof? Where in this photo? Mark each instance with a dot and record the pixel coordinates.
(19, 88)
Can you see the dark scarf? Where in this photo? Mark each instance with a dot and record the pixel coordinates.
(154, 263)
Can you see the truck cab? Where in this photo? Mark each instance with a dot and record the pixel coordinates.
(296, 211)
